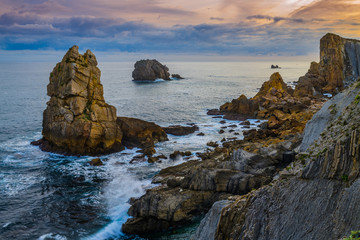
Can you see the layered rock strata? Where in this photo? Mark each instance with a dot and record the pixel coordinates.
(77, 119)
(189, 190)
(150, 70)
(316, 198)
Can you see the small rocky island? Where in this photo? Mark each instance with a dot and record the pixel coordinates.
(78, 121)
(150, 70)
(306, 172)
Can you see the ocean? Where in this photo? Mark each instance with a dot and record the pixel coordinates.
(50, 196)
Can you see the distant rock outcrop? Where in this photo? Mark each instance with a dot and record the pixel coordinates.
(150, 70)
(178, 130)
(77, 119)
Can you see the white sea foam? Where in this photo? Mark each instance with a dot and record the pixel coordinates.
(52, 236)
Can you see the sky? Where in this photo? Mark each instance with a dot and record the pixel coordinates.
(220, 27)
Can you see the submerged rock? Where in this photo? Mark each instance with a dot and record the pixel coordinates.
(150, 70)
(77, 119)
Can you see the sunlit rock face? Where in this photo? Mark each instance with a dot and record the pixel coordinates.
(339, 62)
(77, 119)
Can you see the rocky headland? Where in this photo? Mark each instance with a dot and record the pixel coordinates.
(77, 119)
(302, 195)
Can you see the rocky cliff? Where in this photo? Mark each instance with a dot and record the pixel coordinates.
(316, 197)
(150, 70)
(339, 67)
(77, 119)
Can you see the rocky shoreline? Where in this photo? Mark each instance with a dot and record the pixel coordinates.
(270, 159)
(302, 164)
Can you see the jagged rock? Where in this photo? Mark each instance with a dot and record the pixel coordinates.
(176, 76)
(178, 130)
(274, 87)
(191, 188)
(339, 64)
(139, 133)
(77, 119)
(242, 105)
(150, 70)
(323, 194)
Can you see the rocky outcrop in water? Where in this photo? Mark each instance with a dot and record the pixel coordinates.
(150, 70)
(316, 198)
(142, 134)
(179, 130)
(77, 119)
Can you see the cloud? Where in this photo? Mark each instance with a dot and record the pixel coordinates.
(217, 19)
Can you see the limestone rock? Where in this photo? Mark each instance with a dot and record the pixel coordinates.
(242, 105)
(77, 119)
(150, 70)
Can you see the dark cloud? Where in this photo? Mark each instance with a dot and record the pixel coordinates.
(276, 19)
(217, 19)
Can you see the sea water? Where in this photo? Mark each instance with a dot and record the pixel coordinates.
(50, 196)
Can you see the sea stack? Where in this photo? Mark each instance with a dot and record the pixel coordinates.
(77, 119)
(150, 70)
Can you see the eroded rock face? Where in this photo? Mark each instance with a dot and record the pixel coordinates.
(77, 119)
(322, 191)
(339, 62)
(150, 70)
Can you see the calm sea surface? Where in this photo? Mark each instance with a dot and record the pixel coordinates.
(49, 196)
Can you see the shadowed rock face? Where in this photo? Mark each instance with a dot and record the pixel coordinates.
(150, 70)
(77, 119)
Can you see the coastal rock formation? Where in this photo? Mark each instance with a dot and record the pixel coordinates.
(178, 130)
(320, 191)
(77, 119)
(190, 189)
(339, 67)
(139, 133)
(275, 101)
(150, 70)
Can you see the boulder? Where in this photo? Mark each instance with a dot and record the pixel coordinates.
(179, 130)
(242, 105)
(140, 133)
(150, 70)
(77, 119)
(176, 76)
(275, 86)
